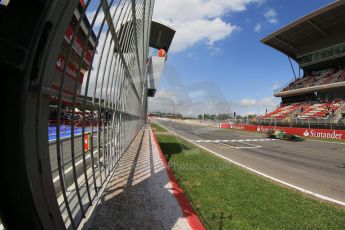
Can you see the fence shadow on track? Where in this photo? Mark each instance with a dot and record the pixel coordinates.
(137, 196)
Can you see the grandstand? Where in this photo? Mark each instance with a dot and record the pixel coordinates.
(76, 67)
(317, 43)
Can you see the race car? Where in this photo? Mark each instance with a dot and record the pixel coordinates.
(281, 135)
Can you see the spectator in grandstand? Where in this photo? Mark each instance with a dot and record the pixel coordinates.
(326, 113)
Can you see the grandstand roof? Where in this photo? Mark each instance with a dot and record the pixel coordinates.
(338, 86)
(319, 29)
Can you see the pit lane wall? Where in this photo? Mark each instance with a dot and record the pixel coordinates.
(303, 132)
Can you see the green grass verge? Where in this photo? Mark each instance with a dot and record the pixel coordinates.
(226, 196)
(157, 128)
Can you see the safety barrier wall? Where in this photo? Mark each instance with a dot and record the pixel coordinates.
(305, 132)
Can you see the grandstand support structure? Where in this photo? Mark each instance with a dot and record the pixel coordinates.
(80, 64)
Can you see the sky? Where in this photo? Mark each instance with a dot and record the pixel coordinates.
(216, 63)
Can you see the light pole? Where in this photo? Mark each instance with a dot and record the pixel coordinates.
(173, 104)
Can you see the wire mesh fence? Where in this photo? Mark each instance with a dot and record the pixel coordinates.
(75, 85)
(97, 98)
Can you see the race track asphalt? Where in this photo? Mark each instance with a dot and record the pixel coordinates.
(315, 166)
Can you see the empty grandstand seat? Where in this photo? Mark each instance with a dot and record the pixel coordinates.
(315, 80)
(281, 112)
(320, 110)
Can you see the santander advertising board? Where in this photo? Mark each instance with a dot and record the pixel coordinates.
(323, 134)
(313, 133)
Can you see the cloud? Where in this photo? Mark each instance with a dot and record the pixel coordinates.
(192, 99)
(215, 50)
(247, 106)
(189, 104)
(190, 32)
(258, 27)
(270, 13)
(276, 86)
(268, 102)
(271, 16)
(202, 97)
(273, 21)
(199, 20)
(265, 102)
(181, 10)
(248, 102)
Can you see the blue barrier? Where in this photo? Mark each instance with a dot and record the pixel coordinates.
(65, 132)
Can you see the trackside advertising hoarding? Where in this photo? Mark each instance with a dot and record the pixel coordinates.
(304, 132)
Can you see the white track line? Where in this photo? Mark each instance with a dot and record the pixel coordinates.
(240, 141)
(265, 175)
(70, 168)
(252, 146)
(332, 142)
(236, 147)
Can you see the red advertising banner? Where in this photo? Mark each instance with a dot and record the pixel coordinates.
(78, 45)
(71, 80)
(304, 132)
(71, 70)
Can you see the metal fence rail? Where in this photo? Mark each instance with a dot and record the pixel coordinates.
(83, 77)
